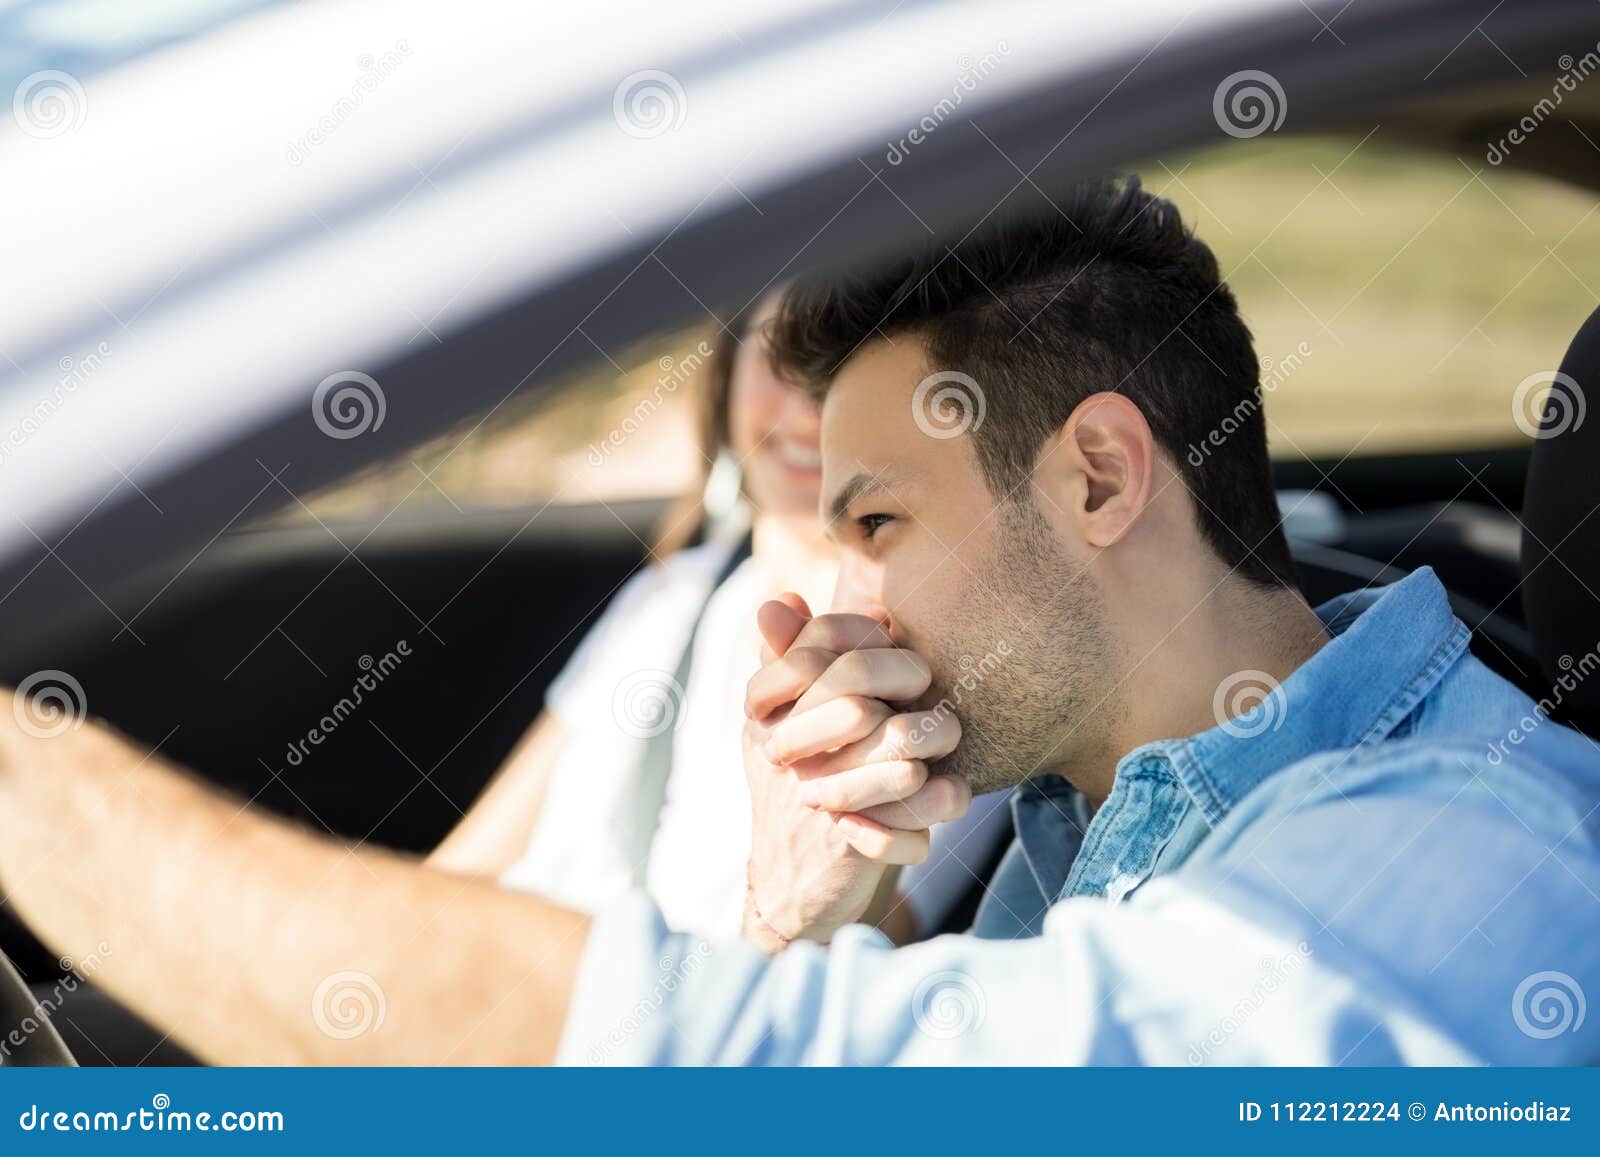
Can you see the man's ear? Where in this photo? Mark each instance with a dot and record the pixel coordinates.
(1099, 469)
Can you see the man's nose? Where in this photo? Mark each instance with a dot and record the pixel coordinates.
(859, 591)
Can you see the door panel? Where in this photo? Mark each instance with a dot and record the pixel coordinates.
(258, 642)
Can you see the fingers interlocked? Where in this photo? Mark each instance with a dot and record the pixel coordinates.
(832, 694)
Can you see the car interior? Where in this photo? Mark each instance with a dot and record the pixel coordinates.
(493, 601)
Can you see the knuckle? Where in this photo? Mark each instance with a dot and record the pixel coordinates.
(951, 795)
(919, 666)
(857, 711)
(935, 731)
(874, 845)
(907, 776)
(852, 668)
(808, 662)
(758, 683)
(829, 796)
(899, 733)
(821, 631)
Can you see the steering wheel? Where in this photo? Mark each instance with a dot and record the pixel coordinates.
(42, 1047)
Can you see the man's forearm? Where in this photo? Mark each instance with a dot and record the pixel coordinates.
(253, 941)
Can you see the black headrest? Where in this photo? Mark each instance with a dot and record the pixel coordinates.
(1561, 528)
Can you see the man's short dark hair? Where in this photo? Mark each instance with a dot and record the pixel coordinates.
(1106, 290)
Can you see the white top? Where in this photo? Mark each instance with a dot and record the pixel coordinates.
(616, 690)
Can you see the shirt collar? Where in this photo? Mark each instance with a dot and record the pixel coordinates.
(1390, 646)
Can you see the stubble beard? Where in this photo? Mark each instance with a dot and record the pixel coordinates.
(1028, 671)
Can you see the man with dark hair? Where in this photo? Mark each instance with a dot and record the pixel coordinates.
(1221, 794)
(1247, 831)
(1105, 290)
(1090, 586)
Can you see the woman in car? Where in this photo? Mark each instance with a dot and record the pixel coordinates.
(633, 774)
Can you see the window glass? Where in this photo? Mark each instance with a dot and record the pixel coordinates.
(606, 436)
(1398, 299)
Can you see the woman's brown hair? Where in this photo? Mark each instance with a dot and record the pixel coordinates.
(683, 522)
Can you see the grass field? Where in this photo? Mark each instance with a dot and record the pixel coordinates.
(1424, 288)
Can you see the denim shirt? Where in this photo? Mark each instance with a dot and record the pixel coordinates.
(1393, 858)
(1168, 795)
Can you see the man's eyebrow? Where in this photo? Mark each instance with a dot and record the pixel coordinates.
(860, 485)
